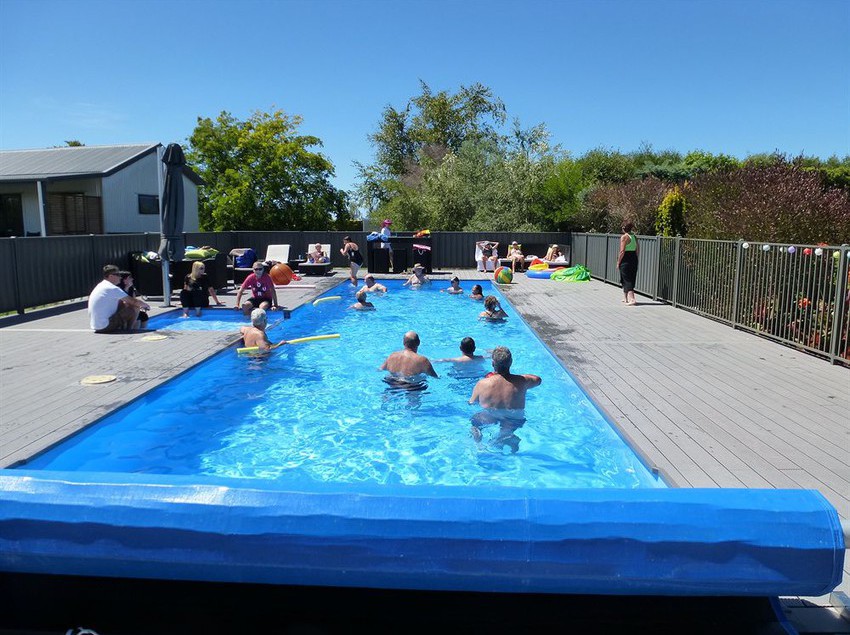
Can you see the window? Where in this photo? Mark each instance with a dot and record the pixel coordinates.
(73, 213)
(11, 215)
(148, 204)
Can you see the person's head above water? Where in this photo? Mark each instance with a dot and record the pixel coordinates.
(411, 341)
(467, 346)
(369, 279)
(361, 296)
(455, 279)
(258, 318)
(490, 302)
(477, 290)
(502, 359)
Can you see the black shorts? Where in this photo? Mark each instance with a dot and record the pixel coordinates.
(256, 302)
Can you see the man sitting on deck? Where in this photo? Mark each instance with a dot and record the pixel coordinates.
(110, 308)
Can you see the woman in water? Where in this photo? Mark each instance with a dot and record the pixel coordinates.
(477, 293)
(355, 258)
(627, 262)
(492, 310)
(418, 278)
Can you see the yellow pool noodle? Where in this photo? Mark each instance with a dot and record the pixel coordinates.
(247, 350)
(330, 297)
(313, 338)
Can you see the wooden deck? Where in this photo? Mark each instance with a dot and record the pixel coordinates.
(707, 405)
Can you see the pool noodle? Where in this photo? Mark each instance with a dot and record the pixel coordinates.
(297, 340)
(330, 297)
(313, 338)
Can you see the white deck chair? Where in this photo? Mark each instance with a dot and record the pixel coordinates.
(326, 247)
(490, 264)
(277, 253)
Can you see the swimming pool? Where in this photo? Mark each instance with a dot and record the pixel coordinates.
(396, 506)
(320, 412)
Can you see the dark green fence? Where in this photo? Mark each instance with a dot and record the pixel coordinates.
(36, 271)
(795, 294)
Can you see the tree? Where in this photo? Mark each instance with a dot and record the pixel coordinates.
(413, 141)
(260, 174)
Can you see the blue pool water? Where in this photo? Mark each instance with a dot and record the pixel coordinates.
(319, 412)
(217, 319)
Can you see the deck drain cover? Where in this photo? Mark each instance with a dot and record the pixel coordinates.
(97, 379)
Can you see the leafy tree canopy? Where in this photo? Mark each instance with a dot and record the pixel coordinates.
(260, 174)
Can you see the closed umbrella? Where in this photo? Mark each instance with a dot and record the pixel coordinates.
(171, 246)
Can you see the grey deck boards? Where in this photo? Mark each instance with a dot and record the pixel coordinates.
(708, 405)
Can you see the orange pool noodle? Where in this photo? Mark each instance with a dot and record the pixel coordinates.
(281, 274)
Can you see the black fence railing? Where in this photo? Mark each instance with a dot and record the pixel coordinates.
(795, 294)
(36, 271)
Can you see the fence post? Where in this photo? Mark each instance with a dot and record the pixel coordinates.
(736, 289)
(676, 271)
(838, 311)
(605, 275)
(657, 266)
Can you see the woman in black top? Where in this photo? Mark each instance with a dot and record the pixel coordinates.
(197, 290)
(130, 289)
(355, 258)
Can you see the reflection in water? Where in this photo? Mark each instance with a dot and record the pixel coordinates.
(508, 420)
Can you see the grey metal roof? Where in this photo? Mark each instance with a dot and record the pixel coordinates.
(73, 162)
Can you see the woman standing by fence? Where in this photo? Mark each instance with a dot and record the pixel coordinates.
(627, 263)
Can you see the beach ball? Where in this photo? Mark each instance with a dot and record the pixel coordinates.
(281, 274)
(503, 275)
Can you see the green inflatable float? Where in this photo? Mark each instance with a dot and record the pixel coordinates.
(578, 273)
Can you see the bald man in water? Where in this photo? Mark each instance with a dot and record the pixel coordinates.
(408, 362)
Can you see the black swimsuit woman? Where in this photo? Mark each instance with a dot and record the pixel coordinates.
(355, 258)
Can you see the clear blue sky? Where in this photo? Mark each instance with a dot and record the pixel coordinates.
(731, 76)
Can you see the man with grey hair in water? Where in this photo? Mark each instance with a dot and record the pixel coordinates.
(255, 335)
(502, 395)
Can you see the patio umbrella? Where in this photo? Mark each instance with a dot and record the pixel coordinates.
(171, 246)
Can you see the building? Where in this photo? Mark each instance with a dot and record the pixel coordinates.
(87, 190)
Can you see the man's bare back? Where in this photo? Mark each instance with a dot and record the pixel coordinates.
(408, 362)
(503, 391)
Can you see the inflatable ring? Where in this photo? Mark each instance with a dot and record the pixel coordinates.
(540, 266)
(537, 261)
(539, 273)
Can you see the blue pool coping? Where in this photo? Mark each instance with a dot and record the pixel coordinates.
(697, 542)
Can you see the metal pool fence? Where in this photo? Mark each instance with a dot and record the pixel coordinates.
(795, 294)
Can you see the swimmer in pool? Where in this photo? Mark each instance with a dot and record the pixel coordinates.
(467, 347)
(502, 396)
(454, 287)
(418, 278)
(362, 303)
(477, 293)
(492, 310)
(255, 335)
(407, 363)
(370, 286)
